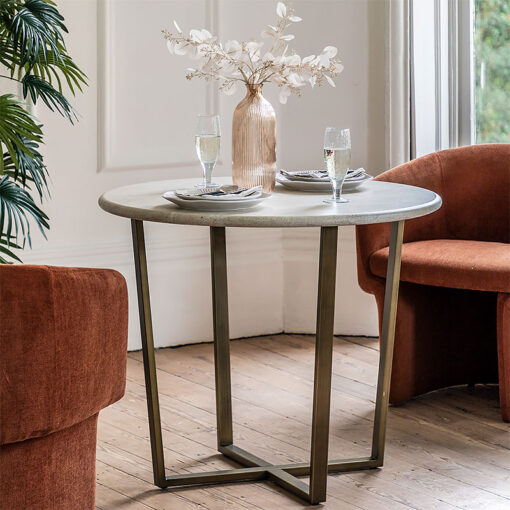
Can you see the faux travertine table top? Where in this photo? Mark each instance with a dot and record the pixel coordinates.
(374, 202)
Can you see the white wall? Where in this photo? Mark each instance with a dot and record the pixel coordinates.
(357, 29)
(137, 120)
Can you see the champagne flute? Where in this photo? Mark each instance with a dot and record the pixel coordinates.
(207, 144)
(337, 158)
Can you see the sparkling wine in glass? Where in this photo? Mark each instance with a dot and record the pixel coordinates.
(337, 159)
(207, 144)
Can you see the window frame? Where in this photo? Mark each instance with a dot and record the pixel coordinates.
(451, 23)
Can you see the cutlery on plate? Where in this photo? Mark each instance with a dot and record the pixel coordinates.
(234, 190)
(319, 174)
(228, 189)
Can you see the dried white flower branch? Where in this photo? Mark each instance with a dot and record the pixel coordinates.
(234, 62)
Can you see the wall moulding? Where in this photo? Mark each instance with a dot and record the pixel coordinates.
(113, 150)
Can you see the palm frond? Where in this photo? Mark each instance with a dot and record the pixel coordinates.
(48, 14)
(54, 67)
(6, 251)
(29, 35)
(32, 48)
(16, 124)
(30, 169)
(36, 27)
(8, 55)
(16, 209)
(52, 98)
(8, 8)
(49, 66)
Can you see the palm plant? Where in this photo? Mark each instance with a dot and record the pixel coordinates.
(32, 53)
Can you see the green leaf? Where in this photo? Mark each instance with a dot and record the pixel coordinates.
(59, 67)
(8, 8)
(5, 249)
(49, 66)
(16, 124)
(36, 27)
(29, 35)
(32, 48)
(16, 209)
(52, 98)
(8, 54)
(30, 169)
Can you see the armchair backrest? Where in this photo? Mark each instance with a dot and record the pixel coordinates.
(476, 192)
(63, 345)
(474, 183)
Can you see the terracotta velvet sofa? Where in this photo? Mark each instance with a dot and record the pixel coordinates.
(63, 335)
(453, 318)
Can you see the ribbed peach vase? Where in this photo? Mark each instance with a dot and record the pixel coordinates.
(254, 141)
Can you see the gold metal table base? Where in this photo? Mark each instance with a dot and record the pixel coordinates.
(255, 468)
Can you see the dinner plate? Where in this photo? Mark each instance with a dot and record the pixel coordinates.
(348, 186)
(216, 205)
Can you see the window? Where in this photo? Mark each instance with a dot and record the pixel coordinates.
(432, 59)
(459, 73)
(492, 70)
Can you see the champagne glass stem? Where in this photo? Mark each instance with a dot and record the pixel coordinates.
(337, 190)
(208, 169)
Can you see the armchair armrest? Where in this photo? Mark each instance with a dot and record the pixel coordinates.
(424, 172)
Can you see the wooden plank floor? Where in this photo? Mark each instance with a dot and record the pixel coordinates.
(445, 450)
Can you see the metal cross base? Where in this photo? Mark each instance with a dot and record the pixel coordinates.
(255, 468)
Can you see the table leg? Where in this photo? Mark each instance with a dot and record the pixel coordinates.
(387, 341)
(149, 361)
(323, 364)
(221, 336)
(255, 467)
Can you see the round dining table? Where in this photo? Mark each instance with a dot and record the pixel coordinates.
(374, 202)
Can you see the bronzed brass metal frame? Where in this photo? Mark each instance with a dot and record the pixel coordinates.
(255, 468)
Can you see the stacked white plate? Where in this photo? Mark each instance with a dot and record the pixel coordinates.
(318, 180)
(225, 198)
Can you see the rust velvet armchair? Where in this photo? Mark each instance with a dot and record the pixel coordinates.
(453, 318)
(63, 335)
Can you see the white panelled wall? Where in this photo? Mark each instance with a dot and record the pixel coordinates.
(136, 124)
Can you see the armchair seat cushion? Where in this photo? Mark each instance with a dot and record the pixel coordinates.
(452, 263)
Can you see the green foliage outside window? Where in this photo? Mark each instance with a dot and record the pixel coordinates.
(492, 70)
